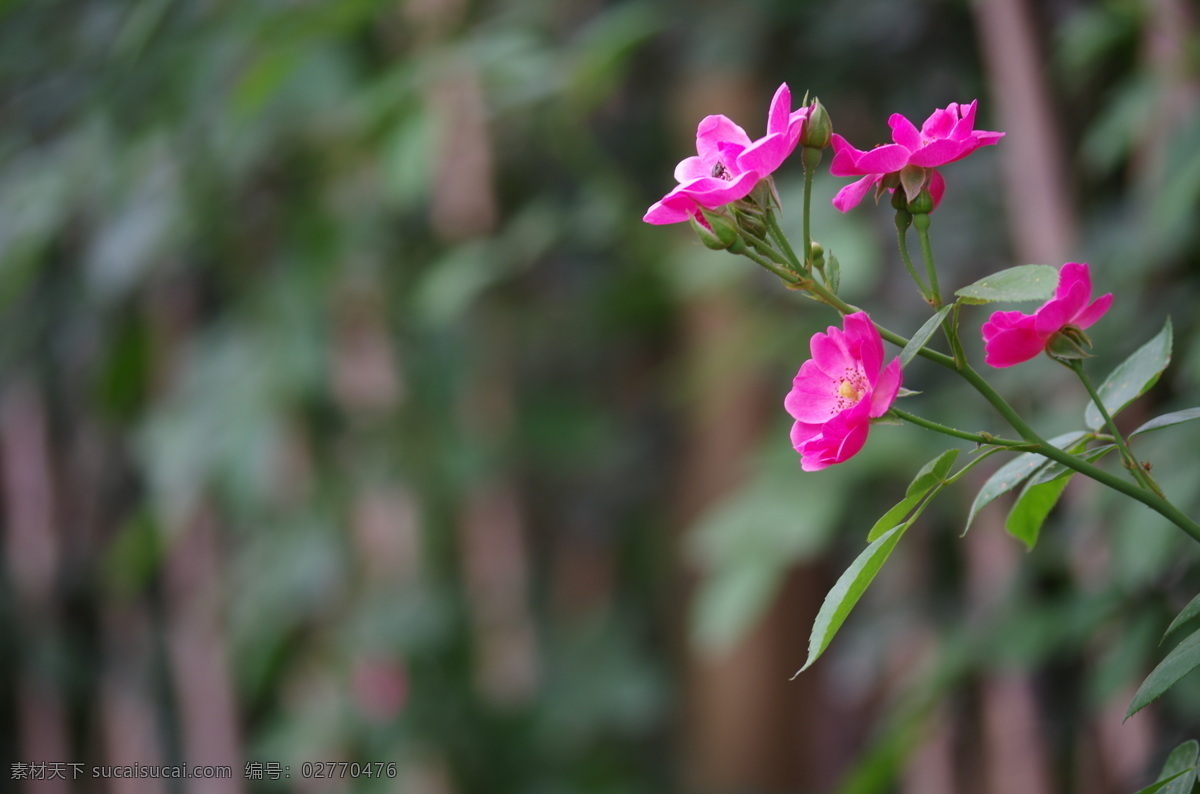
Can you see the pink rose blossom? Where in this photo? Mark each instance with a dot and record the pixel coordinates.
(728, 164)
(837, 392)
(1012, 337)
(947, 135)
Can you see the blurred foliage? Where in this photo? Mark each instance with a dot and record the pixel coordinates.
(366, 285)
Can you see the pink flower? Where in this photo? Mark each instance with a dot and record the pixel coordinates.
(1012, 337)
(837, 392)
(948, 135)
(728, 164)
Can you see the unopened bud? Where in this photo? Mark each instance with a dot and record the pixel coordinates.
(922, 204)
(817, 255)
(716, 230)
(817, 128)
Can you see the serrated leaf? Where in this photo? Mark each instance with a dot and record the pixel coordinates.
(1025, 520)
(1166, 420)
(1178, 663)
(1132, 377)
(846, 592)
(1187, 613)
(922, 335)
(1013, 473)
(1021, 283)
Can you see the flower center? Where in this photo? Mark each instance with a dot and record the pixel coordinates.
(850, 390)
(721, 172)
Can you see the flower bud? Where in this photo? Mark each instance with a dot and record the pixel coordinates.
(817, 128)
(817, 255)
(922, 204)
(716, 230)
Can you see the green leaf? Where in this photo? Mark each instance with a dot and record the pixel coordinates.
(1160, 787)
(1033, 505)
(895, 516)
(922, 335)
(846, 592)
(1132, 377)
(1013, 473)
(1178, 775)
(1053, 470)
(1021, 283)
(932, 473)
(1181, 759)
(833, 273)
(1187, 613)
(1178, 663)
(1166, 420)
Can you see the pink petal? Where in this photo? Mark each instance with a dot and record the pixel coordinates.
(864, 343)
(966, 124)
(849, 197)
(765, 154)
(714, 130)
(845, 158)
(940, 123)
(692, 168)
(940, 152)
(937, 188)
(1010, 338)
(804, 432)
(883, 159)
(672, 209)
(778, 121)
(830, 353)
(713, 193)
(904, 132)
(1094, 312)
(886, 388)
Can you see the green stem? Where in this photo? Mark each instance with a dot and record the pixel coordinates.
(1135, 468)
(978, 438)
(921, 221)
(811, 158)
(1154, 501)
(903, 221)
(785, 247)
(763, 261)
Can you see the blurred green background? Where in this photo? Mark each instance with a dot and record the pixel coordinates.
(349, 412)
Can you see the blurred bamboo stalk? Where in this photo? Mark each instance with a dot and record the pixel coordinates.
(33, 551)
(1041, 213)
(1044, 228)
(209, 728)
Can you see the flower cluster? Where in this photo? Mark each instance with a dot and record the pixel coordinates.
(845, 385)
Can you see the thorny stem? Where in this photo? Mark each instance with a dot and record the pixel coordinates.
(978, 438)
